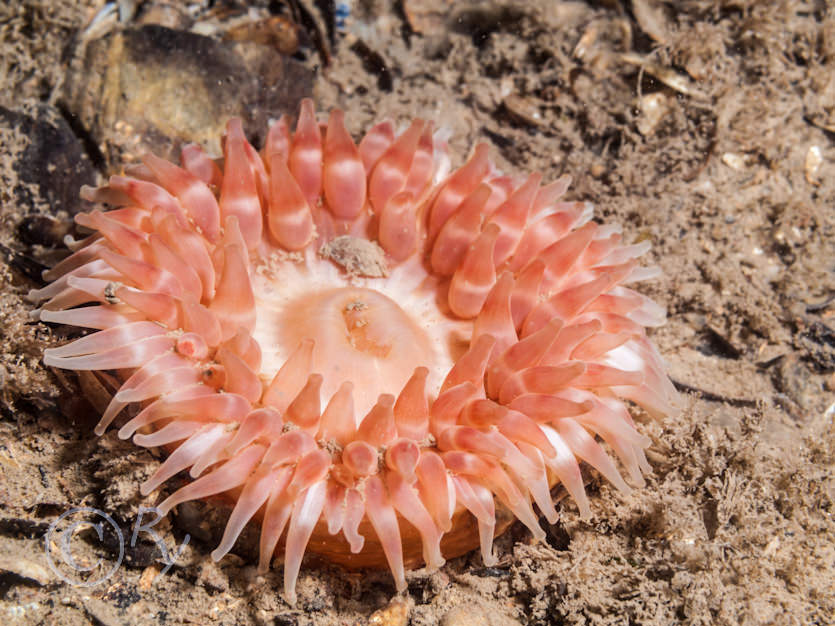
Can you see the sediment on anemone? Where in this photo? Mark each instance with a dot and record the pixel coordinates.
(362, 348)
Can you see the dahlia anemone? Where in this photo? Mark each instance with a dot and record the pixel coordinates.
(354, 339)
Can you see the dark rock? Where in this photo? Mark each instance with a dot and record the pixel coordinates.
(26, 265)
(43, 230)
(49, 162)
(154, 89)
(557, 537)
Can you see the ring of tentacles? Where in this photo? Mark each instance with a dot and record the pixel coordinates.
(368, 350)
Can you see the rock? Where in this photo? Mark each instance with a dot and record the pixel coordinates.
(43, 230)
(795, 380)
(155, 88)
(49, 164)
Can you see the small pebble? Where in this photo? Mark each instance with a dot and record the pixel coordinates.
(597, 170)
(654, 108)
(814, 159)
(149, 574)
(522, 110)
(734, 161)
(395, 614)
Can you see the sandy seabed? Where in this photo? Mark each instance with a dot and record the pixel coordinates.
(706, 128)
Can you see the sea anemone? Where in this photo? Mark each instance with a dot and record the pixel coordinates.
(359, 346)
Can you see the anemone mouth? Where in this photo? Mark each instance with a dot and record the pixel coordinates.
(369, 353)
(371, 331)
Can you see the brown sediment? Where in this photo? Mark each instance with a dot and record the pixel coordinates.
(732, 527)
